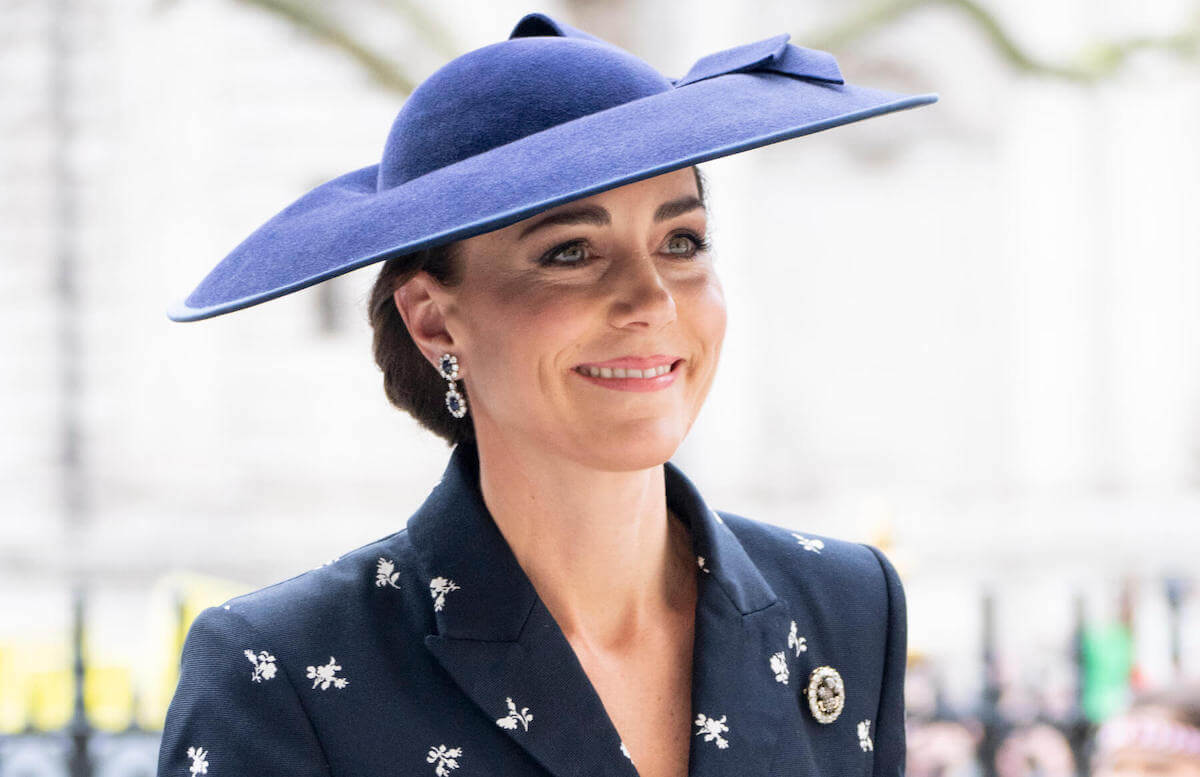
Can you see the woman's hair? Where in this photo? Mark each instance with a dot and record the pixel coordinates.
(410, 382)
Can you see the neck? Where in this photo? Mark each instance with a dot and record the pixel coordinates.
(604, 554)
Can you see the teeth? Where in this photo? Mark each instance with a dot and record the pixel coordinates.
(607, 372)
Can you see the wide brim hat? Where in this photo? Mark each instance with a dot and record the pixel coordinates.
(549, 115)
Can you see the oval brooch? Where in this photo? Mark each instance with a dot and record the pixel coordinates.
(826, 694)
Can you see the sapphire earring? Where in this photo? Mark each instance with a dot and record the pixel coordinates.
(456, 403)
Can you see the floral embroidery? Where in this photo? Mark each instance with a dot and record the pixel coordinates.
(813, 545)
(385, 573)
(795, 641)
(700, 563)
(323, 675)
(264, 665)
(438, 588)
(199, 758)
(864, 740)
(447, 759)
(712, 728)
(625, 750)
(779, 667)
(510, 720)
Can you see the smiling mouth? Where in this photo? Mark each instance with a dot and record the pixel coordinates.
(617, 372)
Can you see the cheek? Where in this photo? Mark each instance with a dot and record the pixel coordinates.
(719, 314)
(531, 329)
(706, 306)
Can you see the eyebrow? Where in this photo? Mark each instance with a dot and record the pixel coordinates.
(598, 216)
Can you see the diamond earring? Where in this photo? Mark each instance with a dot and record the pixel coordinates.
(456, 403)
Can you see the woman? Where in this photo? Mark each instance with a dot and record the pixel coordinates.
(564, 602)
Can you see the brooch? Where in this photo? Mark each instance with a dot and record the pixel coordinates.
(826, 694)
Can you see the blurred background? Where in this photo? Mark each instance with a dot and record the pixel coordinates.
(981, 320)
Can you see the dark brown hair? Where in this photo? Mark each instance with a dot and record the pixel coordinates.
(410, 382)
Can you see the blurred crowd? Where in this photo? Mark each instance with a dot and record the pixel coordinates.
(1156, 733)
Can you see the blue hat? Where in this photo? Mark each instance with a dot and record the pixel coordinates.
(512, 128)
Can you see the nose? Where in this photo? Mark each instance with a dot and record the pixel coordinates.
(640, 294)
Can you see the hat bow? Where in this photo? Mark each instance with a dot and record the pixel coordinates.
(773, 55)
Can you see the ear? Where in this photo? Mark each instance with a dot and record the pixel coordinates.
(421, 305)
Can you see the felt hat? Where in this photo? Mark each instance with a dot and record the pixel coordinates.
(512, 128)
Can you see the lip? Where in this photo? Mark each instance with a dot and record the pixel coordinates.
(634, 362)
(636, 384)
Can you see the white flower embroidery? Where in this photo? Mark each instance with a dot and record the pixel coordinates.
(510, 720)
(625, 750)
(385, 573)
(700, 563)
(779, 667)
(438, 588)
(795, 641)
(324, 675)
(447, 759)
(864, 740)
(199, 758)
(712, 728)
(813, 545)
(264, 665)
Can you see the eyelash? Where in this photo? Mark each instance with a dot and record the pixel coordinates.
(702, 245)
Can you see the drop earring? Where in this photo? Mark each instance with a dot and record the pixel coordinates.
(456, 403)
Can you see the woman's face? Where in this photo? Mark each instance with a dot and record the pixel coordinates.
(616, 274)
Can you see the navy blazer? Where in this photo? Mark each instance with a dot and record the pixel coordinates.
(428, 652)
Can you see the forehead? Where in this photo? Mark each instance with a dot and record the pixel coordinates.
(662, 197)
(673, 183)
(647, 192)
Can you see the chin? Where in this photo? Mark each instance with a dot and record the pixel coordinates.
(617, 453)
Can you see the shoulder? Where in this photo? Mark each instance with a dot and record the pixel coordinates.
(769, 543)
(375, 583)
(250, 659)
(846, 581)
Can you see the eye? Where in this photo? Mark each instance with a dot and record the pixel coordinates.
(700, 243)
(578, 246)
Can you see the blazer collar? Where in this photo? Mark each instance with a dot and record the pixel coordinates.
(498, 641)
(458, 540)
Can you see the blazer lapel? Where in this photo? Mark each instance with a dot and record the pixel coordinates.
(503, 648)
(498, 641)
(741, 708)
